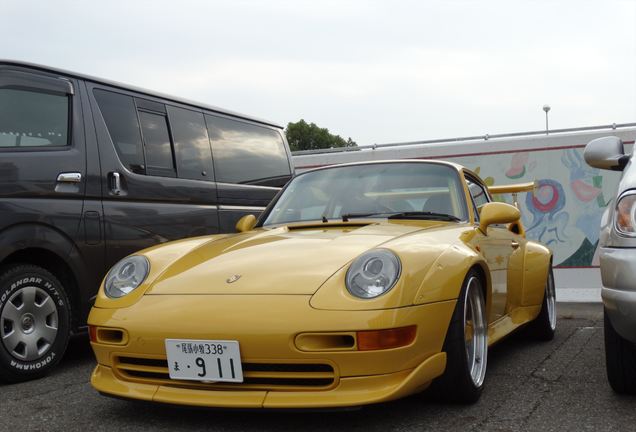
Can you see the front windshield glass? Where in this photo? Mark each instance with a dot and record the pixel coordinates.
(372, 190)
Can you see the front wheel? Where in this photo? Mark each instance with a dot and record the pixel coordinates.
(34, 322)
(466, 345)
(620, 360)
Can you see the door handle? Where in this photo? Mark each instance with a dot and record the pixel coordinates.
(514, 244)
(69, 177)
(115, 183)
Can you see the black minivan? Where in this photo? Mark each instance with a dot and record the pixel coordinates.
(92, 171)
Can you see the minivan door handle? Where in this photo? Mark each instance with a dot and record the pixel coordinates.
(114, 182)
(69, 177)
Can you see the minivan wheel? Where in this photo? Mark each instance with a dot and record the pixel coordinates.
(620, 360)
(34, 322)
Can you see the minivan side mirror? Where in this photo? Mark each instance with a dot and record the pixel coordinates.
(246, 223)
(606, 153)
(497, 213)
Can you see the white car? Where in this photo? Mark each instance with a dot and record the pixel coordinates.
(618, 264)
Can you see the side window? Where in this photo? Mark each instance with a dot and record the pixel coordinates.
(158, 148)
(30, 118)
(479, 195)
(246, 153)
(192, 146)
(120, 116)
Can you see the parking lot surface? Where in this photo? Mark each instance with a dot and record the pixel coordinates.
(531, 386)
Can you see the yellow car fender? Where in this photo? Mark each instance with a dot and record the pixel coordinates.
(537, 264)
(160, 258)
(445, 277)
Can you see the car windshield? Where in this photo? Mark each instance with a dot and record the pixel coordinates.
(403, 190)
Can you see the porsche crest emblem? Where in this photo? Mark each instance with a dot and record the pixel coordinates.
(233, 278)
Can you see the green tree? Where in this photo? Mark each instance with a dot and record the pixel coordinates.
(308, 136)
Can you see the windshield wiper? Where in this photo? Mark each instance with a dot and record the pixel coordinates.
(402, 215)
(424, 215)
(347, 216)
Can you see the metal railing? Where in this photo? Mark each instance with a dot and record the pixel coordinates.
(485, 137)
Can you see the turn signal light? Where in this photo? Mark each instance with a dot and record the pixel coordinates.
(385, 339)
(92, 332)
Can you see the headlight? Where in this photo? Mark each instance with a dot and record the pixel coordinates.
(373, 273)
(125, 276)
(625, 220)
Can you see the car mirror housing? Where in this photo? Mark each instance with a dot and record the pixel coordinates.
(246, 223)
(606, 153)
(497, 213)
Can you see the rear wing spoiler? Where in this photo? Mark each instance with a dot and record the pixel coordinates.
(513, 188)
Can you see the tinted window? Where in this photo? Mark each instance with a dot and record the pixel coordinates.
(192, 146)
(154, 128)
(245, 153)
(31, 118)
(120, 116)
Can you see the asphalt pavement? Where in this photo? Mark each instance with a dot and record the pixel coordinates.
(530, 386)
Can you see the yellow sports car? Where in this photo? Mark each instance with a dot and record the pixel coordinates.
(360, 283)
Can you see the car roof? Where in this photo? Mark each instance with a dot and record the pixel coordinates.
(453, 165)
(23, 64)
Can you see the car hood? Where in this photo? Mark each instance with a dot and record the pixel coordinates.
(284, 260)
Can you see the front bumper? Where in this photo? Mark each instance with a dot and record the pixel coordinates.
(266, 328)
(618, 273)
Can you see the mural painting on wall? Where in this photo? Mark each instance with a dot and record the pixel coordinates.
(565, 210)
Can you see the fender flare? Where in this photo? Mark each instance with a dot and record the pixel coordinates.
(45, 237)
(447, 275)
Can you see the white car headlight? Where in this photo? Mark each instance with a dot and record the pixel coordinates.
(126, 275)
(626, 214)
(373, 273)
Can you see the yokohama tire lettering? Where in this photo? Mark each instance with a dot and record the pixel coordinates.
(34, 366)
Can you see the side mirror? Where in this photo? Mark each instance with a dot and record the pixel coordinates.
(606, 153)
(246, 223)
(497, 213)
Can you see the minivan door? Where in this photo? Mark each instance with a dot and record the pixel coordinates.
(157, 172)
(42, 155)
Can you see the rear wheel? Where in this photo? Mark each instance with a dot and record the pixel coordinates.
(620, 360)
(34, 322)
(544, 325)
(466, 345)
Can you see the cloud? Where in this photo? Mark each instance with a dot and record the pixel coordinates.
(377, 71)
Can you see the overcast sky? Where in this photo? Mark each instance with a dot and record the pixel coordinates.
(377, 71)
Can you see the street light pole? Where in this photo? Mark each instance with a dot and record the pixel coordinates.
(546, 108)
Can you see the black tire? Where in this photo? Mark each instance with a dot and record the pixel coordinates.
(543, 327)
(34, 322)
(457, 385)
(620, 360)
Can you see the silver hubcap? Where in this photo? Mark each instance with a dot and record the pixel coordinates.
(28, 323)
(475, 331)
(550, 293)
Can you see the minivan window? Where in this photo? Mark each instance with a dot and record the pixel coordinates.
(32, 119)
(192, 146)
(159, 160)
(246, 153)
(119, 113)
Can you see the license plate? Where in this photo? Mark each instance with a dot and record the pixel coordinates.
(204, 360)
